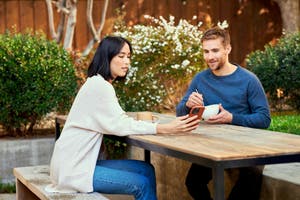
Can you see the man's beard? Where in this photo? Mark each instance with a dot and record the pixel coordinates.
(215, 68)
(218, 68)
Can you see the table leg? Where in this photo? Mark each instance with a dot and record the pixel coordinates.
(57, 129)
(218, 183)
(23, 193)
(147, 156)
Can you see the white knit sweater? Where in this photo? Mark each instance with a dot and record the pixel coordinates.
(95, 112)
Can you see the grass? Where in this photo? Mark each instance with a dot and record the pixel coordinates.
(7, 187)
(286, 122)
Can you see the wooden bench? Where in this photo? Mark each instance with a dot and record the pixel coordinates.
(281, 181)
(31, 183)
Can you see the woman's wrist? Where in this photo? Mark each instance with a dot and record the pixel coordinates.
(162, 128)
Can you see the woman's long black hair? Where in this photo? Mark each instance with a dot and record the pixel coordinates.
(109, 47)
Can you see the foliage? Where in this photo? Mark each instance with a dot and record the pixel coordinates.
(7, 187)
(115, 149)
(81, 65)
(36, 77)
(165, 57)
(286, 122)
(278, 68)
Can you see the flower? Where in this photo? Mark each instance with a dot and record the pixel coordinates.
(165, 56)
(223, 24)
(185, 63)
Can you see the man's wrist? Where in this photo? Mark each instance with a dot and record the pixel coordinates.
(187, 105)
(230, 118)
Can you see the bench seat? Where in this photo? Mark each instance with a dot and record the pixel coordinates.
(31, 183)
(281, 181)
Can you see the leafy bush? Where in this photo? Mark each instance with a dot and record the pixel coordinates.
(7, 187)
(115, 149)
(278, 68)
(165, 58)
(36, 77)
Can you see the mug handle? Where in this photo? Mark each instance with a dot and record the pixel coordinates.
(155, 118)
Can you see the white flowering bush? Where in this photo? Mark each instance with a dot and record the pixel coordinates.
(165, 58)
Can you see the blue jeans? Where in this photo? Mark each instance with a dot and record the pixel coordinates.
(131, 177)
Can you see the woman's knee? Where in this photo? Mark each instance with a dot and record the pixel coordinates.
(142, 188)
(147, 168)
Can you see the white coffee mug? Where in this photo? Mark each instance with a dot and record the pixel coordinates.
(146, 116)
(210, 110)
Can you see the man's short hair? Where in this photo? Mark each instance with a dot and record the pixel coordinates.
(216, 32)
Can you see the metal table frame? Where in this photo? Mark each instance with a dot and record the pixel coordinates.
(218, 167)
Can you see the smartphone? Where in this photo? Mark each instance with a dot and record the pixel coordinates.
(197, 110)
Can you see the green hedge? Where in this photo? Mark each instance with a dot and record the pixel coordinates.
(36, 77)
(278, 68)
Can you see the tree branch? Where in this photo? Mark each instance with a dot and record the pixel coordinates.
(89, 11)
(290, 14)
(51, 20)
(96, 35)
(61, 6)
(61, 25)
(71, 22)
(103, 17)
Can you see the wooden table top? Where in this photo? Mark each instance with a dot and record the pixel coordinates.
(224, 142)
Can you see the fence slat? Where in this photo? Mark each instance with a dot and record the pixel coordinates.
(252, 24)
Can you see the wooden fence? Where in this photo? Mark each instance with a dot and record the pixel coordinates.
(252, 23)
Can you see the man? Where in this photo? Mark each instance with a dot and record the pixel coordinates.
(242, 102)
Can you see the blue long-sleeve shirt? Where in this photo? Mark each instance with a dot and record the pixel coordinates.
(240, 93)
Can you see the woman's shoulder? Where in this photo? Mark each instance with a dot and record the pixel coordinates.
(99, 82)
(96, 79)
(97, 85)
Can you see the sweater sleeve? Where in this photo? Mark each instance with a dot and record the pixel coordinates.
(96, 108)
(260, 113)
(181, 108)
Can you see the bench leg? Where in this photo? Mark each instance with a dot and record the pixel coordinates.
(23, 193)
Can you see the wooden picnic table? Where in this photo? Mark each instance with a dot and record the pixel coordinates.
(219, 147)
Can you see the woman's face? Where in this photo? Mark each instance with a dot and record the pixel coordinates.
(120, 63)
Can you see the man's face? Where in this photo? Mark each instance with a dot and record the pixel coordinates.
(215, 53)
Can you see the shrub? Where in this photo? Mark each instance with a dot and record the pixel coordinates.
(36, 77)
(278, 68)
(7, 187)
(165, 58)
(115, 149)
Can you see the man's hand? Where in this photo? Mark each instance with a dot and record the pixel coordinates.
(195, 99)
(224, 117)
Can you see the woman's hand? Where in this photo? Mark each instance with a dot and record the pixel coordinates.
(183, 124)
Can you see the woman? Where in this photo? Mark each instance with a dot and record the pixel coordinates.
(96, 111)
